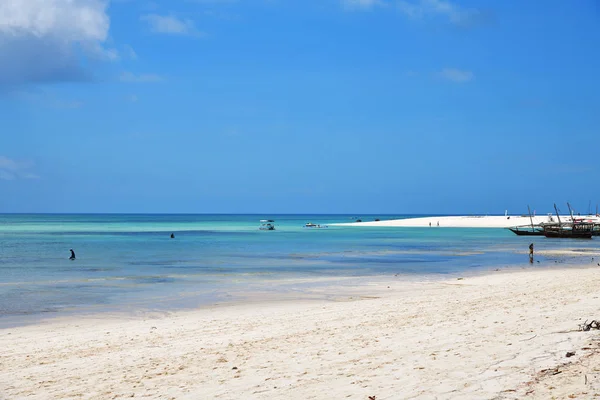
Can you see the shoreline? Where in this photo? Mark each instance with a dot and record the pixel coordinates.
(292, 289)
(305, 289)
(299, 289)
(384, 339)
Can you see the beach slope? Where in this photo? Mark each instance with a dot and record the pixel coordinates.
(493, 336)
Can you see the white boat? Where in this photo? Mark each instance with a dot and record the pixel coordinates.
(267, 225)
(311, 225)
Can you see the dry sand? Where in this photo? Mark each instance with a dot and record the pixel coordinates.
(500, 336)
(466, 221)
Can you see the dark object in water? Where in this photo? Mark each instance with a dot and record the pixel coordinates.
(72, 254)
(359, 220)
(172, 236)
(527, 231)
(267, 225)
(574, 231)
(377, 220)
(317, 226)
(531, 253)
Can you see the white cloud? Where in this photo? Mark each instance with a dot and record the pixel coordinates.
(361, 4)
(67, 105)
(130, 52)
(12, 169)
(170, 25)
(42, 40)
(455, 14)
(142, 78)
(418, 9)
(6, 176)
(71, 20)
(456, 75)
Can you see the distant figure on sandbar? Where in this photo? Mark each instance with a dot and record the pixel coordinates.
(430, 224)
(72, 255)
(531, 253)
(172, 236)
(438, 223)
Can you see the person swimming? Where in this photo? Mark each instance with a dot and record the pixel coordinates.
(72, 255)
(172, 236)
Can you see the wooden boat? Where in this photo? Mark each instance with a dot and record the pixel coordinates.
(527, 230)
(591, 221)
(572, 231)
(576, 228)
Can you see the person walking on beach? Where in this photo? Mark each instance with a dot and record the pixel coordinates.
(72, 255)
(531, 253)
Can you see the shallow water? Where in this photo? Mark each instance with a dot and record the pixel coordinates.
(129, 262)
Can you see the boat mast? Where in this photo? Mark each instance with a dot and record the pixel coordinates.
(530, 218)
(556, 209)
(570, 211)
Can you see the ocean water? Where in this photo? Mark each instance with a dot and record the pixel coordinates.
(130, 263)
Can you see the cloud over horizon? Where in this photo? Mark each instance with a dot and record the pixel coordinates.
(11, 169)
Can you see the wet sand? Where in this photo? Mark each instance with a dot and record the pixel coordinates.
(501, 335)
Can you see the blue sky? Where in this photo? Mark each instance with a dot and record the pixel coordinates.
(364, 106)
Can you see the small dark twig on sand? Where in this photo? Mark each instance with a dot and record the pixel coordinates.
(524, 340)
(592, 325)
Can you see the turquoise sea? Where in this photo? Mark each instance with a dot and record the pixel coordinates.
(130, 263)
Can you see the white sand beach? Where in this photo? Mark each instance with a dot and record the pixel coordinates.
(467, 221)
(504, 335)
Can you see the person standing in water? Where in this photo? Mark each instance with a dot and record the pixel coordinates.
(72, 255)
(172, 236)
(531, 253)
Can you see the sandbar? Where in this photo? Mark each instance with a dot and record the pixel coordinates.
(468, 221)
